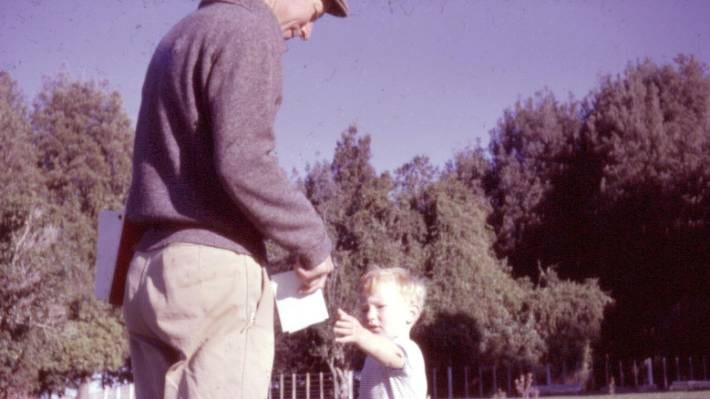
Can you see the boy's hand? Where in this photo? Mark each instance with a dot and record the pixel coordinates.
(348, 329)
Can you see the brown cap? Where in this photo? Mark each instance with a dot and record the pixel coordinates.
(339, 8)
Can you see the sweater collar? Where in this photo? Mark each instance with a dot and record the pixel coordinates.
(243, 2)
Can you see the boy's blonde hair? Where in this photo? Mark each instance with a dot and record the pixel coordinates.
(412, 288)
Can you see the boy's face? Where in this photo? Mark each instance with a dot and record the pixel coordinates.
(385, 312)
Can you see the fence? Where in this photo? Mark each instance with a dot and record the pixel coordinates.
(319, 385)
(607, 374)
(618, 375)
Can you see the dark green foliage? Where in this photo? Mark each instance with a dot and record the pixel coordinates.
(614, 191)
(465, 277)
(59, 167)
(568, 315)
(83, 140)
(534, 182)
(435, 224)
(92, 341)
(650, 129)
(355, 203)
(616, 187)
(28, 277)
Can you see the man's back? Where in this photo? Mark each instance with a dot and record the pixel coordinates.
(203, 169)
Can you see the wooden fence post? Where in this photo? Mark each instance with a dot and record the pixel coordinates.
(705, 368)
(621, 373)
(677, 369)
(665, 374)
(308, 385)
(465, 382)
(293, 386)
(564, 371)
(320, 384)
(281, 385)
(495, 380)
(649, 371)
(335, 391)
(351, 384)
(606, 370)
(636, 374)
(433, 379)
(480, 381)
(450, 382)
(690, 368)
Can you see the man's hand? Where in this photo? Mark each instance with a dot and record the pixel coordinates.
(312, 279)
(348, 329)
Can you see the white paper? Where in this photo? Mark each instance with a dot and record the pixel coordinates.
(107, 243)
(297, 311)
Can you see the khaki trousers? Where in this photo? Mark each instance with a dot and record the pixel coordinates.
(200, 324)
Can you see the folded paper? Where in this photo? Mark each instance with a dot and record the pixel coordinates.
(297, 311)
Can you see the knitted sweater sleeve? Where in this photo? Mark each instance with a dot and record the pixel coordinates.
(243, 95)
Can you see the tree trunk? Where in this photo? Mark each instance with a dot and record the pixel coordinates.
(342, 382)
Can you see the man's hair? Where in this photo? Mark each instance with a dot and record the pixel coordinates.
(412, 288)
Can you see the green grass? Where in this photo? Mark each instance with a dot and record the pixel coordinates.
(650, 395)
(653, 395)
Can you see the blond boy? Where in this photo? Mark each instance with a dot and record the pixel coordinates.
(391, 302)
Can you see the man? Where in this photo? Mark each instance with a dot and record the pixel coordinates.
(208, 191)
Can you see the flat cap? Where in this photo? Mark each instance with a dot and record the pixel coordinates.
(339, 8)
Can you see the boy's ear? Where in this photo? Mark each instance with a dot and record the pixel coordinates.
(414, 312)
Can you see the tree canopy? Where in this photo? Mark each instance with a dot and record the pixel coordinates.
(435, 224)
(577, 209)
(68, 159)
(615, 187)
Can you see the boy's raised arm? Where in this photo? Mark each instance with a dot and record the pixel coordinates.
(348, 330)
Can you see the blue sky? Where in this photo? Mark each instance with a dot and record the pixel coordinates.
(422, 77)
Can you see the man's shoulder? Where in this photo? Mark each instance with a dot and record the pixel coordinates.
(225, 25)
(235, 15)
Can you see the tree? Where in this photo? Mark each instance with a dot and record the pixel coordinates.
(436, 225)
(475, 308)
(615, 187)
(471, 167)
(83, 140)
(528, 181)
(28, 277)
(537, 183)
(355, 203)
(650, 130)
(568, 317)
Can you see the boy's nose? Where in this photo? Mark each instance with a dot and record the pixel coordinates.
(368, 313)
(371, 314)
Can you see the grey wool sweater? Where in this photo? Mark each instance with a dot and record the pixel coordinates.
(203, 167)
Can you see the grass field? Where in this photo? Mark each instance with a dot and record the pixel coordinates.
(650, 395)
(654, 395)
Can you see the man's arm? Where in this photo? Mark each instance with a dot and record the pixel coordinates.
(349, 330)
(242, 96)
